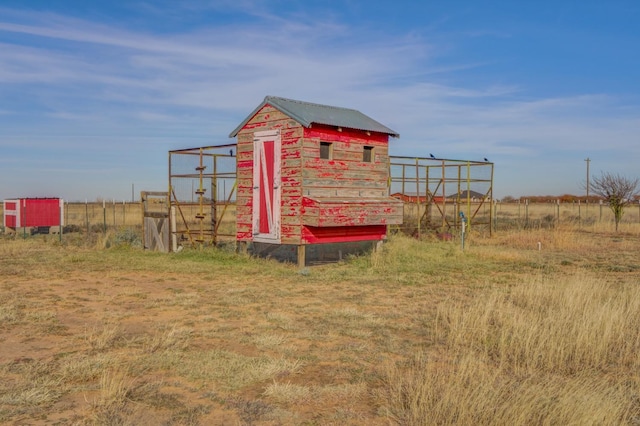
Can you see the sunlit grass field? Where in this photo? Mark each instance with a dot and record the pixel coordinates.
(530, 326)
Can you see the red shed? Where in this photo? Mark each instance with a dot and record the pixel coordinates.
(33, 212)
(310, 174)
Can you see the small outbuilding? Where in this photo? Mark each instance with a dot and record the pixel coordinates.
(312, 174)
(33, 213)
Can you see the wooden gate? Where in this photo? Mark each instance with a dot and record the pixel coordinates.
(155, 220)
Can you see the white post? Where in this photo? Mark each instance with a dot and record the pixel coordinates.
(174, 237)
(61, 224)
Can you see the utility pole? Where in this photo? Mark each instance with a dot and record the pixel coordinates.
(588, 160)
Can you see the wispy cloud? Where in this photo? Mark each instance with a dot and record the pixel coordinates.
(221, 68)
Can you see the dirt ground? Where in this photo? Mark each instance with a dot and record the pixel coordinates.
(84, 340)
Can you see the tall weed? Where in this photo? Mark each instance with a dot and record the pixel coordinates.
(542, 352)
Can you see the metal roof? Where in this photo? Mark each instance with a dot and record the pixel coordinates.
(307, 113)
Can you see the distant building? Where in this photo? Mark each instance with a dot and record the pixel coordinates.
(33, 212)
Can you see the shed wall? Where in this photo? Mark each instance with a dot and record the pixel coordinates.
(269, 118)
(345, 175)
(32, 212)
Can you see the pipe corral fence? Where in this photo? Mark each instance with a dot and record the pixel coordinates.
(437, 194)
(202, 185)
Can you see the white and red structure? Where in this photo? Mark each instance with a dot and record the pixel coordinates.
(312, 174)
(33, 212)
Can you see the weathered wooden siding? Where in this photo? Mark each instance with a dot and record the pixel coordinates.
(269, 118)
(353, 211)
(346, 198)
(345, 175)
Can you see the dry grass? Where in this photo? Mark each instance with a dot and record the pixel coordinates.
(420, 333)
(115, 388)
(102, 337)
(174, 337)
(467, 390)
(565, 326)
(551, 352)
(545, 351)
(229, 370)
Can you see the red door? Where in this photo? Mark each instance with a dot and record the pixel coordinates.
(266, 187)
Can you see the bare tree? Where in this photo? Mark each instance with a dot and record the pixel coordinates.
(617, 191)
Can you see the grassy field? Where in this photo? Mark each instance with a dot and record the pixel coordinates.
(531, 326)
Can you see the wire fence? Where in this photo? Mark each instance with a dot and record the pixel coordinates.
(440, 194)
(87, 220)
(526, 214)
(83, 219)
(202, 184)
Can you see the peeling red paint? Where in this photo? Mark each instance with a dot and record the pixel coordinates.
(362, 211)
(313, 235)
(346, 135)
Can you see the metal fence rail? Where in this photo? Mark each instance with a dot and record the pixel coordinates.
(202, 184)
(438, 193)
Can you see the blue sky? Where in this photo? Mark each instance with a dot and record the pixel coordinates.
(94, 94)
